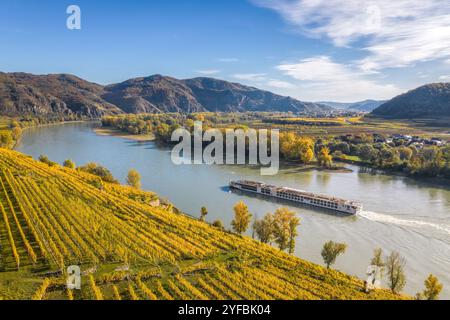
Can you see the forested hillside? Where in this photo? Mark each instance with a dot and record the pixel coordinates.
(429, 101)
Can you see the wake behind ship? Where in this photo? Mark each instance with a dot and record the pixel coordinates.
(298, 196)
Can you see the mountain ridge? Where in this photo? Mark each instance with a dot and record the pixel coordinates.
(68, 95)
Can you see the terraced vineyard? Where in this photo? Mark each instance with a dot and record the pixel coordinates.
(130, 248)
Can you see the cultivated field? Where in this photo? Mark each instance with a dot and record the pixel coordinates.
(53, 217)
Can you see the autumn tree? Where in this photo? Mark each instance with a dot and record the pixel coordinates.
(378, 260)
(432, 290)
(218, 224)
(6, 139)
(163, 133)
(294, 222)
(203, 213)
(16, 133)
(46, 160)
(264, 228)
(294, 147)
(285, 225)
(242, 218)
(134, 179)
(305, 146)
(69, 164)
(331, 250)
(99, 171)
(324, 158)
(395, 268)
(367, 152)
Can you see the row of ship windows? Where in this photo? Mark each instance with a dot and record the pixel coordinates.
(250, 188)
(296, 198)
(313, 201)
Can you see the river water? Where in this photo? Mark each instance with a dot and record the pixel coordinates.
(401, 214)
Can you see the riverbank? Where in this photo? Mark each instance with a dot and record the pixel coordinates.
(101, 131)
(438, 181)
(294, 166)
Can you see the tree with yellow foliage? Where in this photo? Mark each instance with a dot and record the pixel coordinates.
(324, 158)
(295, 147)
(331, 250)
(285, 225)
(134, 179)
(16, 133)
(264, 228)
(306, 149)
(242, 218)
(432, 290)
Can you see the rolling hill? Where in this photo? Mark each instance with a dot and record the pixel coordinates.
(428, 101)
(66, 95)
(130, 247)
(363, 106)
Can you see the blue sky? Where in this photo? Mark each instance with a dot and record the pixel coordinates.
(313, 50)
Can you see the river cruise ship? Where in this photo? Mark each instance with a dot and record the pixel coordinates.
(298, 196)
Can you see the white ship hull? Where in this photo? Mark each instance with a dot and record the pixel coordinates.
(298, 196)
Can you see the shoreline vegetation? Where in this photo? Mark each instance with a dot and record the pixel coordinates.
(417, 158)
(285, 164)
(102, 131)
(11, 128)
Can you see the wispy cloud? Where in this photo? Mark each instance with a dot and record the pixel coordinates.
(393, 33)
(208, 72)
(321, 78)
(445, 78)
(255, 77)
(263, 80)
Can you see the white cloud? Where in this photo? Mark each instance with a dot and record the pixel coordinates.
(323, 79)
(444, 78)
(262, 79)
(208, 72)
(319, 68)
(395, 33)
(279, 84)
(256, 77)
(228, 59)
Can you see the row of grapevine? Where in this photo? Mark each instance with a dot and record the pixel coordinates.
(39, 223)
(30, 224)
(10, 236)
(96, 292)
(24, 238)
(42, 290)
